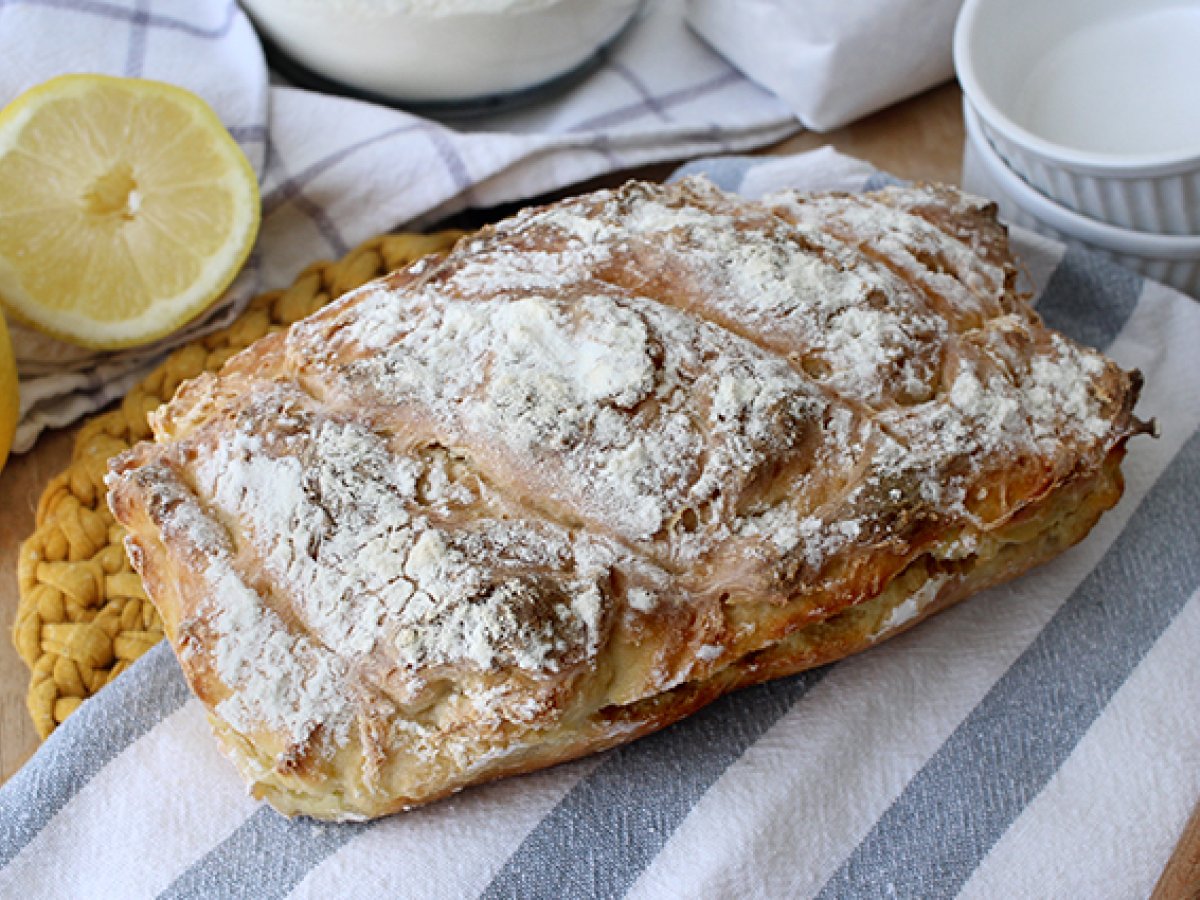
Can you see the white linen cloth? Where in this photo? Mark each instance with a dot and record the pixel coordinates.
(833, 61)
(335, 171)
(1038, 740)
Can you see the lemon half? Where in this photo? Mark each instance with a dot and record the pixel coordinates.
(126, 209)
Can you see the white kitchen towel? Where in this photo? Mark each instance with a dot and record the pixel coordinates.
(335, 171)
(833, 61)
(1038, 740)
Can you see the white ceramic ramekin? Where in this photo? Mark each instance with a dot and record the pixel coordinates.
(1096, 103)
(1171, 259)
(440, 52)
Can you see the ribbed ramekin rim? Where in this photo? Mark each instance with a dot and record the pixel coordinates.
(1113, 165)
(1067, 221)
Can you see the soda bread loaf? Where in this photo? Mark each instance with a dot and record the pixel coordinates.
(606, 461)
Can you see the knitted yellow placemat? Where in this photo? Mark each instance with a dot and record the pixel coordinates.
(83, 616)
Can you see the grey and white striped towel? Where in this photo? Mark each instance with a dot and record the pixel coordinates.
(336, 171)
(1039, 740)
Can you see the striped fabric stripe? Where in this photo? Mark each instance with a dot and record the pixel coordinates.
(140, 790)
(604, 829)
(1003, 754)
(1096, 801)
(1089, 298)
(267, 851)
(31, 798)
(140, 17)
(427, 846)
(629, 806)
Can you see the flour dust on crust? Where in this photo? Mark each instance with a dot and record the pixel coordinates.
(603, 449)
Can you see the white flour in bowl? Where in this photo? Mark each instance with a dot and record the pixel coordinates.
(440, 51)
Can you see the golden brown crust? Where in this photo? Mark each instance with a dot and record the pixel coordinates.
(605, 462)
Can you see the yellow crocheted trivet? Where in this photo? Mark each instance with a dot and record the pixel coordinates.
(83, 616)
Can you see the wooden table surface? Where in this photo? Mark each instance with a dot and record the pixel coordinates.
(919, 139)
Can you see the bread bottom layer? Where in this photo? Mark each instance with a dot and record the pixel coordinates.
(929, 584)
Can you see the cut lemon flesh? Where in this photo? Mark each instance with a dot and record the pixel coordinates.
(126, 209)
